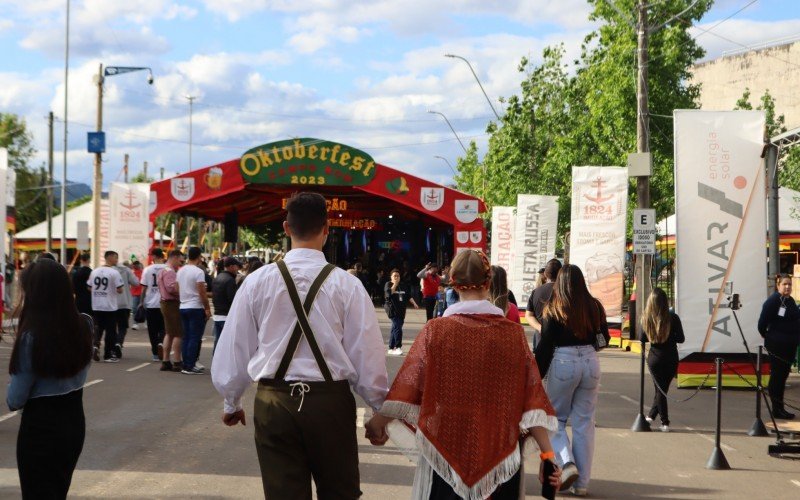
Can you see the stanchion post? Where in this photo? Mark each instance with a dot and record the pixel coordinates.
(717, 460)
(758, 428)
(641, 424)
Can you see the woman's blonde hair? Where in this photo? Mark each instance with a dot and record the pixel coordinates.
(470, 270)
(656, 319)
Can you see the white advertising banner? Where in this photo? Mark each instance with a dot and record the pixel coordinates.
(502, 249)
(535, 233)
(597, 234)
(4, 200)
(129, 220)
(721, 226)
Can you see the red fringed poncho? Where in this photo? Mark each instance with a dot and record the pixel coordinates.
(470, 385)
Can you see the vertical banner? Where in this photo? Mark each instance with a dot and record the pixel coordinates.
(597, 235)
(535, 233)
(129, 220)
(4, 247)
(502, 251)
(721, 226)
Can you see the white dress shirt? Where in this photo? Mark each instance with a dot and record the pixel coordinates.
(261, 321)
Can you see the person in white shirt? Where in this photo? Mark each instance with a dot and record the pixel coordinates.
(151, 298)
(195, 310)
(105, 284)
(125, 302)
(304, 410)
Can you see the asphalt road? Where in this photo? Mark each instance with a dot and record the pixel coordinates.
(158, 435)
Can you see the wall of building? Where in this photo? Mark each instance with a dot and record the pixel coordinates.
(776, 68)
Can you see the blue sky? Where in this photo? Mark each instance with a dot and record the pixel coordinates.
(360, 72)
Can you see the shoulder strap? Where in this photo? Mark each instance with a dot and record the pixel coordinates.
(303, 327)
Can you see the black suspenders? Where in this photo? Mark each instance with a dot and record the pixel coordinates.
(302, 327)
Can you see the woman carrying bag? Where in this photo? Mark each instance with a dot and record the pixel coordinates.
(49, 365)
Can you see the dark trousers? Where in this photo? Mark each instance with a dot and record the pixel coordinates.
(318, 442)
(509, 490)
(781, 356)
(194, 324)
(123, 320)
(430, 305)
(396, 334)
(218, 326)
(155, 328)
(663, 366)
(106, 321)
(49, 443)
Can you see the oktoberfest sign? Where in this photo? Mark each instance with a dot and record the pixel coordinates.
(721, 226)
(307, 161)
(597, 237)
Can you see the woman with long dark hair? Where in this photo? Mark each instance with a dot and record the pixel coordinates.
(664, 330)
(48, 368)
(574, 327)
(498, 294)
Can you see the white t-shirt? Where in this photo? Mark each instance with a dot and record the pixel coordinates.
(188, 278)
(104, 282)
(152, 297)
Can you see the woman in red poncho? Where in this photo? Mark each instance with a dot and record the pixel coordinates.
(471, 387)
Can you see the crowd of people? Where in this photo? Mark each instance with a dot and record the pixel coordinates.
(470, 388)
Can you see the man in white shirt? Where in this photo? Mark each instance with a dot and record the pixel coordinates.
(304, 410)
(105, 284)
(195, 310)
(151, 298)
(125, 301)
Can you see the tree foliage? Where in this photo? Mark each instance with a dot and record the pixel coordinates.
(584, 112)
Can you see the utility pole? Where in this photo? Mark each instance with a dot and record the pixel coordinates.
(643, 264)
(97, 188)
(63, 249)
(162, 173)
(191, 109)
(144, 170)
(49, 209)
(125, 168)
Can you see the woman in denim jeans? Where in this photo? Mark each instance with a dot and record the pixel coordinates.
(572, 322)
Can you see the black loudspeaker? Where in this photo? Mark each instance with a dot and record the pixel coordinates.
(232, 227)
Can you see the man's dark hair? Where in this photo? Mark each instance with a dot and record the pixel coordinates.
(551, 269)
(307, 214)
(175, 253)
(85, 257)
(157, 253)
(109, 253)
(194, 253)
(46, 255)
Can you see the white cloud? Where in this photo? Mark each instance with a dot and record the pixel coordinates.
(733, 34)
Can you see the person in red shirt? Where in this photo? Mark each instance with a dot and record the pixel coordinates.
(430, 287)
(136, 291)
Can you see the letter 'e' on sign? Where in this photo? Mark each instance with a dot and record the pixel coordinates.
(644, 231)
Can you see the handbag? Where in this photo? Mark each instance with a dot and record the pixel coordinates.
(140, 315)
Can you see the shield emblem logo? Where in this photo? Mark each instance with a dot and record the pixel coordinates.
(182, 188)
(431, 198)
(462, 236)
(475, 237)
(466, 210)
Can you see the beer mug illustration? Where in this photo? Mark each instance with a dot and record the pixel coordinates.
(214, 178)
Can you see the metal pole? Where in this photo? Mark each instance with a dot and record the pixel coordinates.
(479, 83)
(772, 205)
(125, 168)
(97, 188)
(758, 428)
(717, 461)
(49, 209)
(451, 128)
(191, 109)
(448, 163)
(642, 146)
(641, 424)
(144, 169)
(64, 172)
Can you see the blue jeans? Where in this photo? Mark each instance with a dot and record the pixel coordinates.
(396, 335)
(194, 323)
(218, 326)
(572, 385)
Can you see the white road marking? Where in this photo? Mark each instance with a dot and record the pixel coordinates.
(360, 412)
(630, 400)
(14, 413)
(137, 367)
(711, 439)
(796, 482)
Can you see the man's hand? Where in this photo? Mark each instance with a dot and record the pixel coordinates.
(208, 313)
(376, 430)
(231, 419)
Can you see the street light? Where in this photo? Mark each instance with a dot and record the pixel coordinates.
(98, 157)
(191, 99)
(448, 163)
(451, 128)
(63, 249)
(477, 80)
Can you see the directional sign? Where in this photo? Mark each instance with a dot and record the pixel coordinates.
(97, 142)
(644, 231)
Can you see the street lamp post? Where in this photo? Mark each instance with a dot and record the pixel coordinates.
(479, 83)
(448, 163)
(97, 187)
(451, 128)
(191, 99)
(63, 249)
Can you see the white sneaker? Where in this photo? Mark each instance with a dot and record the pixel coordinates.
(664, 428)
(569, 474)
(398, 351)
(198, 365)
(578, 492)
(135, 326)
(649, 420)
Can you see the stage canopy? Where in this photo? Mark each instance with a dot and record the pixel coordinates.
(253, 190)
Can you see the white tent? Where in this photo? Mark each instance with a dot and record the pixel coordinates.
(788, 214)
